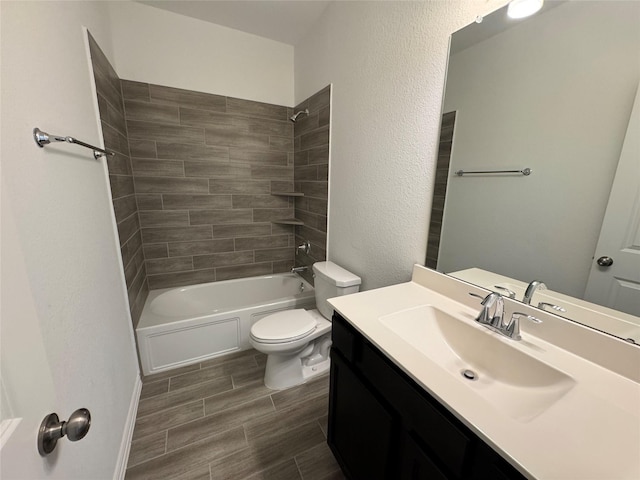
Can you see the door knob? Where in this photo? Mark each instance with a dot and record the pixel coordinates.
(52, 429)
(605, 261)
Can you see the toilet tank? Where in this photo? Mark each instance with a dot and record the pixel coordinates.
(332, 280)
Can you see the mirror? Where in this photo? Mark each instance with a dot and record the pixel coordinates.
(553, 93)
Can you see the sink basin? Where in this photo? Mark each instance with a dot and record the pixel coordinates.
(513, 382)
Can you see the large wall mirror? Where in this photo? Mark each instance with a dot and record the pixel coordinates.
(553, 93)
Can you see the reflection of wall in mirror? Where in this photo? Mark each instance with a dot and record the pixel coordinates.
(554, 94)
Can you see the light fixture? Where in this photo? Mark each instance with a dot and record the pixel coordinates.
(523, 8)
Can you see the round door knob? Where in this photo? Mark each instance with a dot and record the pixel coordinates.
(605, 261)
(52, 429)
(78, 425)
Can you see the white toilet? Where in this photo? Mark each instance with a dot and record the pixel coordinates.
(297, 341)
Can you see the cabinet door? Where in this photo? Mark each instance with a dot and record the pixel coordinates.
(489, 465)
(416, 464)
(360, 427)
(425, 417)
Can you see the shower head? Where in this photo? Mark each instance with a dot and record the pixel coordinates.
(294, 117)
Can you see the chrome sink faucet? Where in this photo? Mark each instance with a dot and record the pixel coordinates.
(492, 313)
(531, 289)
(492, 316)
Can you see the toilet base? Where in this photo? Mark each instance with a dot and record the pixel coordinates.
(286, 371)
(315, 370)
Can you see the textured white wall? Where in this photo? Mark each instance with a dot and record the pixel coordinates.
(386, 61)
(155, 46)
(555, 99)
(64, 281)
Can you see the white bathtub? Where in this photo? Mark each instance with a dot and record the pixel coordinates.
(185, 325)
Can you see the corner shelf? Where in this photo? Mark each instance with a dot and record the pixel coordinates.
(288, 194)
(288, 221)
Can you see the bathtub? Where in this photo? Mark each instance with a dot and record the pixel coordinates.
(185, 325)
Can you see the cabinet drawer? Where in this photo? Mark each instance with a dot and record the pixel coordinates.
(441, 433)
(343, 337)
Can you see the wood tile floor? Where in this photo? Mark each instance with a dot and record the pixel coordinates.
(217, 421)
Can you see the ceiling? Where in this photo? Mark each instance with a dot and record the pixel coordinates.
(283, 21)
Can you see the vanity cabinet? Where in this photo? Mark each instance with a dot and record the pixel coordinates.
(383, 425)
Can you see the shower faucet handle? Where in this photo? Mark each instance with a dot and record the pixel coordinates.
(304, 247)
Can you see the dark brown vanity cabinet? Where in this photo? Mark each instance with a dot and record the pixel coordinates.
(382, 425)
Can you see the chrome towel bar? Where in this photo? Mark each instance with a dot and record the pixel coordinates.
(42, 138)
(524, 171)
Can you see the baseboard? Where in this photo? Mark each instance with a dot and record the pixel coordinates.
(125, 446)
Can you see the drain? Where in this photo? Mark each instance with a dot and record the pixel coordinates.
(469, 374)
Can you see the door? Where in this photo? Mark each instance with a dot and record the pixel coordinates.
(65, 329)
(614, 280)
(28, 393)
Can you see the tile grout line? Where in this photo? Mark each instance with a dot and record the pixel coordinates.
(187, 446)
(202, 439)
(182, 403)
(298, 467)
(236, 405)
(151, 458)
(166, 440)
(201, 400)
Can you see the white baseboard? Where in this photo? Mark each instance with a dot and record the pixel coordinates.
(125, 446)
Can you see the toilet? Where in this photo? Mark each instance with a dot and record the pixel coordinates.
(297, 341)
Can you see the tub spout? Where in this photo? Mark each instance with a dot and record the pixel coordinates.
(299, 269)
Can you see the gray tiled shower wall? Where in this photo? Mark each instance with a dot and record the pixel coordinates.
(440, 188)
(204, 167)
(114, 130)
(311, 176)
(193, 179)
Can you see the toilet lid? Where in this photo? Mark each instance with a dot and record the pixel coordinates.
(281, 326)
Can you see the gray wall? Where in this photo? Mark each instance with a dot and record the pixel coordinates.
(311, 176)
(204, 167)
(114, 131)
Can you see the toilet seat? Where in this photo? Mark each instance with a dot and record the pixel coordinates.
(285, 326)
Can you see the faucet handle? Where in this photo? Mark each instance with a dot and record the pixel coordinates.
(557, 308)
(485, 317)
(511, 293)
(517, 315)
(304, 247)
(513, 329)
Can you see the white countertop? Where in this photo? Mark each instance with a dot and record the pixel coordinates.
(592, 432)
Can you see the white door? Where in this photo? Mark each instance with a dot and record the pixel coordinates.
(614, 280)
(65, 329)
(28, 393)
